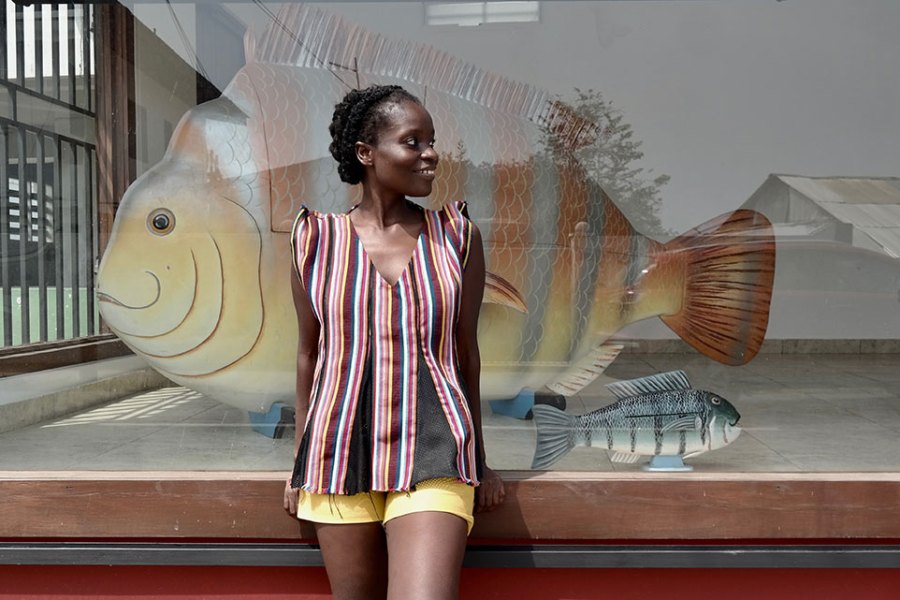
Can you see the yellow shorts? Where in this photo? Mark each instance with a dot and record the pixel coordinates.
(439, 495)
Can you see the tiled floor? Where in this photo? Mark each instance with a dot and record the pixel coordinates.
(799, 413)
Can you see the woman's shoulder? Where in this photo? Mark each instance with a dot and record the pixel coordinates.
(307, 213)
(307, 216)
(456, 211)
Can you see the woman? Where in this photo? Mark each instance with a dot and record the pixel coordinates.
(387, 299)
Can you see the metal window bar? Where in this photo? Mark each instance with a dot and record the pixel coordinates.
(53, 230)
(40, 196)
(65, 86)
(48, 212)
(15, 89)
(58, 241)
(91, 235)
(57, 70)
(6, 295)
(90, 62)
(86, 13)
(24, 230)
(73, 253)
(85, 265)
(78, 18)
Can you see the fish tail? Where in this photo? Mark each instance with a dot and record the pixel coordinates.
(555, 435)
(729, 266)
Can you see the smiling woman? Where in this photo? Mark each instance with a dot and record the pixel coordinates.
(388, 444)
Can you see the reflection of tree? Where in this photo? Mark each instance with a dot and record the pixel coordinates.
(610, 159)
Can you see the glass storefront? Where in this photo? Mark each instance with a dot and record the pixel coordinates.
(690, 211)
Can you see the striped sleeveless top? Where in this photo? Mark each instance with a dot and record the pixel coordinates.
(383, 350)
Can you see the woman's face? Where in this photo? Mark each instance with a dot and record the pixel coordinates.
(403, 159)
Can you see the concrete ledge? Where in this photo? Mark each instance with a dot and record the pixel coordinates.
(675, 346)
(35, 397)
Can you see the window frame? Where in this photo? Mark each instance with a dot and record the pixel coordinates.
(540, 507)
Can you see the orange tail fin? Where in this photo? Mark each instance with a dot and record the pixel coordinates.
(730, 265)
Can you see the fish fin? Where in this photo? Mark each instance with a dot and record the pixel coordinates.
(555, 435)
(687, 423)
(695, 453)
(660, 382)
(583, 372)
(624, 457)
(729, 266)
(499, 291)
(305, 36)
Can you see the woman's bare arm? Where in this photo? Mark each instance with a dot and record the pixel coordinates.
(490, 493)
(307, 355)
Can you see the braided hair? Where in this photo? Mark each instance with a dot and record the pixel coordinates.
(358, 118)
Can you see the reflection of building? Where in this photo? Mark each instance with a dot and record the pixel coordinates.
(837, 274)
(88, 100)
(48, 173)
(862, 212)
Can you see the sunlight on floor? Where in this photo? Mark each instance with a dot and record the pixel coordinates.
(138, 407)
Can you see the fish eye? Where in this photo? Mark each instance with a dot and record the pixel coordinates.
(715, 400)
(161, 221)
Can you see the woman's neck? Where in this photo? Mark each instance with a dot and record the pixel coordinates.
(382, 212)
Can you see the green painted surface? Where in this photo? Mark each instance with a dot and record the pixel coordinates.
(34, 306)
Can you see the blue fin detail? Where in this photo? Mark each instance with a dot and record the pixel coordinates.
(272, 424)
(518, 407)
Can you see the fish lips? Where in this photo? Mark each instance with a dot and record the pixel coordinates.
(101, 297)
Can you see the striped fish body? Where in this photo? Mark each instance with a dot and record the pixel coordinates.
(674, 422)
(572, 270)
(670, 423)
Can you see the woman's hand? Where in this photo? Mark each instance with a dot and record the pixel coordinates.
(490, 494)
(291, 496)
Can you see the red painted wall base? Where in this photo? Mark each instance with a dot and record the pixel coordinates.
(281, 583)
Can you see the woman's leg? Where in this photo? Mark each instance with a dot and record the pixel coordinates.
(355, 558)
(425, 553)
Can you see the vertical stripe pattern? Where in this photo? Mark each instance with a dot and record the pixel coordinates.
(366, 320)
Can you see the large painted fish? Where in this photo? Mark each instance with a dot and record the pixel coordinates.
(659, 415)
(196, 275)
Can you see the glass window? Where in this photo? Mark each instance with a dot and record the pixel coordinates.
(48, 137)
(690, 214)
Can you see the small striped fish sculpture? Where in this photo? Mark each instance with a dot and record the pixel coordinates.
(655, 415)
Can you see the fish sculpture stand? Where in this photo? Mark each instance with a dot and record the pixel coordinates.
(657, 416)
(196, 276)
(520, 406)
